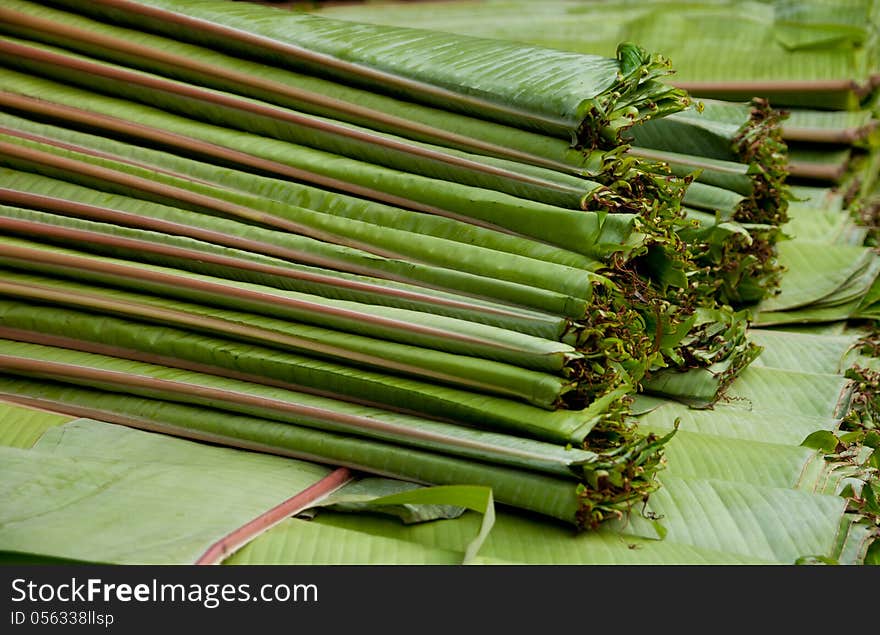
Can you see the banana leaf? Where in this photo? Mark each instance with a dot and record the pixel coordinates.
(22, 427)
(825, 223)
(384, 322)
(732, 133)
(152, 380)
(755, 53)
(45, 99)
(42, 193)
(122, 512)
(717, 351)
(629, 177)
(728, 420)
(819, 164)
(199, 257)
(798, 124)
(591, 233)
(545, 494)
(815, 271)
(82, 445)
(777, 391)
(602, 360)
(813, 315)
(709, 198)
(807, 352)
(213, 355)
(588, 98)
(665, 271)
(258, 117)
(165, 57)
(118, 177)
(832, 127)
(764, 535)
(337, 539)
(284, 87)
(541, 389)
(739, 260)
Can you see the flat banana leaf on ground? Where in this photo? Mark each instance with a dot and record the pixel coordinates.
(117, 479)
(587, 233)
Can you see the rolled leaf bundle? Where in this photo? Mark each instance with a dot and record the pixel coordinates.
(810, 54)
(587, 98)
(577, 486)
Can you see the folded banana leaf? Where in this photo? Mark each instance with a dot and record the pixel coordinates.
(738, 259)
(236, 264)
(820, 276)
(822, 163)
(361, 144)
(400, 325)
(42, 98)
(833, 127)
(614, 342)
(718, 350)
(588, 98)
(638, 353)
(774, 50)
(607, 487)
(284, 87)
(174, 347)
(606, 234)
(592, 234)
(571, 282)
(266, 245)
(541, 389)
(583, 233)
(734, 133)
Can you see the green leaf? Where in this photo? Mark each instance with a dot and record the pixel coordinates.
(432, 67)
(21, 427)
(96, 492)
(323, 413)
(214, 355)
(821, 440)
(458, 370)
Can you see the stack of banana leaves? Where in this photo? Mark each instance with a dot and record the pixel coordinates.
(428, 257)
(819, 336)
(736, 490)
(818, 60)
(430, 260)
(739, 199)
